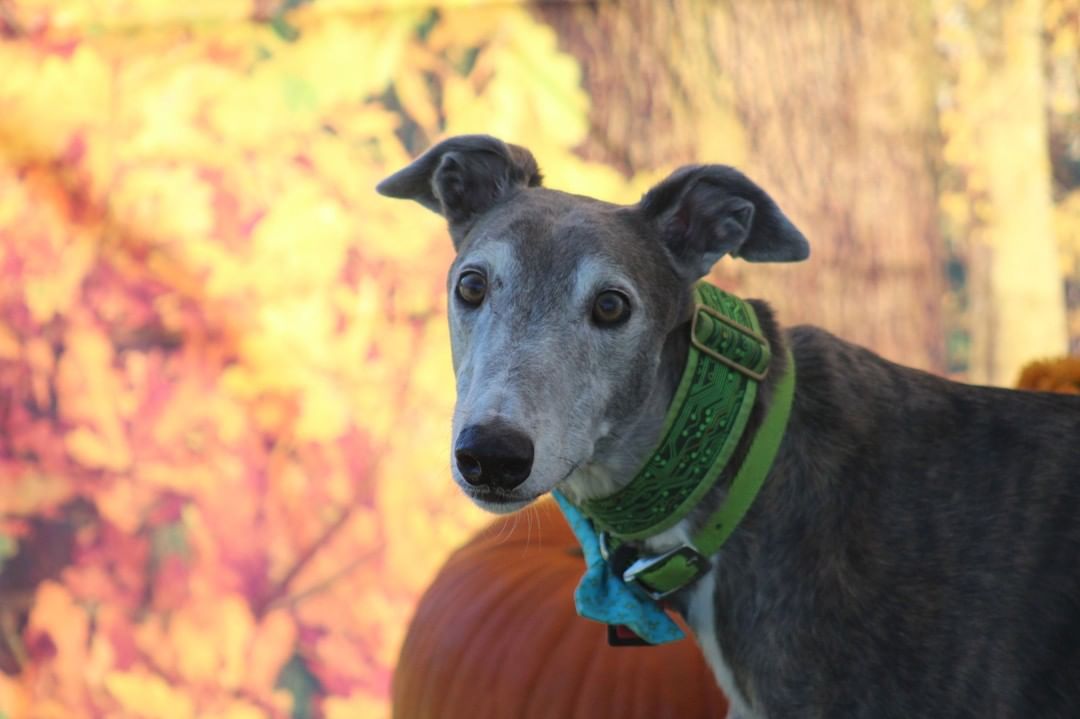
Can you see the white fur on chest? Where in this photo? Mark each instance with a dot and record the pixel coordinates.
(701, 616)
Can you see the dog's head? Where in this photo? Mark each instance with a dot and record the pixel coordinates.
(563, 307)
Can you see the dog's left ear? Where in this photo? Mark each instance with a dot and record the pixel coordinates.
(704, 212)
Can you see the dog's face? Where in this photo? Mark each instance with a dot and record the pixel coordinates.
(561, 306)
(558, 311)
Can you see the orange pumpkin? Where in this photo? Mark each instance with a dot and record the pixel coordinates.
(496, 637)
(1056, 375)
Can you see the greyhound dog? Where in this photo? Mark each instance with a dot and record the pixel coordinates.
(914, 548)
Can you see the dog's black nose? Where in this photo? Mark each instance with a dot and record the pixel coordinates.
(494, 455)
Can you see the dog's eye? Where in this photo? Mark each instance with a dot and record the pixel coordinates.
(610, 308)
(471, 287)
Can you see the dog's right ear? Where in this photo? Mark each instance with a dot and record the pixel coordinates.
(463, 176)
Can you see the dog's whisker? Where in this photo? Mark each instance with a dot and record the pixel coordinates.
(528, 529)
(499, 529)
(513, 529)
(510, 527)
(539, 528)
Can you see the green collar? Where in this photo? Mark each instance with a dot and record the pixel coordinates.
(728, 357)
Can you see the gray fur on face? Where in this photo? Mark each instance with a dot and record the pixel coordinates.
(544, 272)
(915, 550)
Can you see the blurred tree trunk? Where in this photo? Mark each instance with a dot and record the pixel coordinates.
(997, 176)
(827, 105)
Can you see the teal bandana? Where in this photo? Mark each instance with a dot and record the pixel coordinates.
(604, 597)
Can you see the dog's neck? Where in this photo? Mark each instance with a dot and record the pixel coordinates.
(618, 457)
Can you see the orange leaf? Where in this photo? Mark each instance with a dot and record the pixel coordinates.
(149, 696)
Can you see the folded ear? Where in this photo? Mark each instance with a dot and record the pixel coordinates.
(704, 212)
(463, 176)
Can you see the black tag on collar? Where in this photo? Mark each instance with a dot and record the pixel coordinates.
(619, 635)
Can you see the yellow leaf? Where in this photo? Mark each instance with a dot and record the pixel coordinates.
(358, 705)
(92, 393)
(174, 204)
(148, 696)
(92, 450)
(301, 242)
(124, 501)
(9, 343)
(271, 646)
(324, 415)
(48, 97)
(56, 619)
(415, 97)
(237, 710)
(15, 698)
(54, 285)
(212, 640)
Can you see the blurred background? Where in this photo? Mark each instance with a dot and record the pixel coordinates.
(225, 381)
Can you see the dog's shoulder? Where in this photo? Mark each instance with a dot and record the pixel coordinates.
(824, 358)
(838, 374)
(857, 393)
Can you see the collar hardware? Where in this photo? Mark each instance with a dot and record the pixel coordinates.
(664, 574)
(700, 341)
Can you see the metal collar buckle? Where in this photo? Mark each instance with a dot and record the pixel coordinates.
(695, 565)
(700, 308)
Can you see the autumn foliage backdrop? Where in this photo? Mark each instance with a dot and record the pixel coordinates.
(224, 371)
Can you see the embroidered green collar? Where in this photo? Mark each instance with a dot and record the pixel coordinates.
(727, 359)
